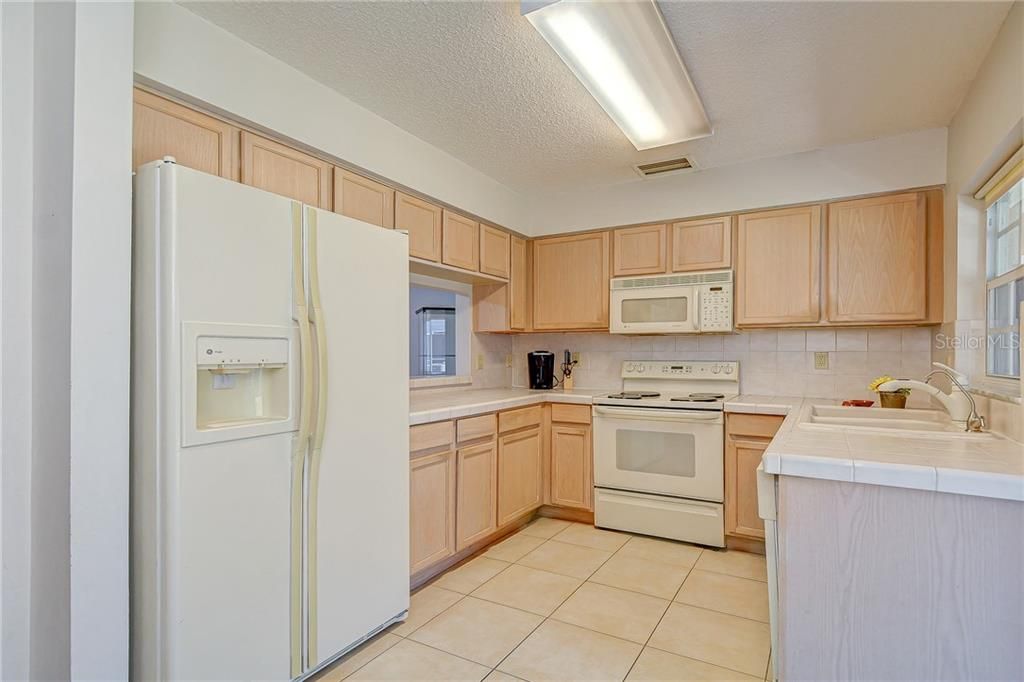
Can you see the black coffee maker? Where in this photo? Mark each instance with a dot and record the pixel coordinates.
(541, 365)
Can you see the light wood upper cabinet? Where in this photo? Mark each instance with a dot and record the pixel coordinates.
(519, 474)
(503, 307)
(517, 285)
(571, 463)
(639, 250)
(477, 486)
(704, 244)
(423, 222)
(570, 281)
(363, 199)
(877, 259)
(431, 509)
(162, 128)
(778, 266)
(280, 169)
(460, 242)
(494, 251)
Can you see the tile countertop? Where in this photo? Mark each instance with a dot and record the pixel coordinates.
(986, 467)
(431, 405)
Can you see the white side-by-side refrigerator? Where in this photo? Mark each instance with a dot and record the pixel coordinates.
(270, 518)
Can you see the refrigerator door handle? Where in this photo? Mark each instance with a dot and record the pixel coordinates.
(317, 432)
(301, 439)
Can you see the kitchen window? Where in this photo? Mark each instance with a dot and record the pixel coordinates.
(440, 319)
(1005, 270)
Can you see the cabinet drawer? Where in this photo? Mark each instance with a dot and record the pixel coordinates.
(757, 425)
(472, 428)
(572, 414)
(429, 436)
(518, 419)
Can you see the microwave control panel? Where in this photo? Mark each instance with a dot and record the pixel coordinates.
(716, 308)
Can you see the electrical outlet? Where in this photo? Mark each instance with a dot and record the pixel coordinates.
(480, 361)
(508, 359)
(821, 361)
(576, 356)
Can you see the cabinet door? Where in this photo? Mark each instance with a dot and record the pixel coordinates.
(422, 220)
(460, 242)
(282, 170)
(363, 199)
(570, 282)
(494, 251)
(742, 458)
(778, 259)
(702, 244)
(639, 250)
(519, 474)
(877, 259)
(431, 509)
(517, 285)
(477, 506)
(162, 128)
(571, 464)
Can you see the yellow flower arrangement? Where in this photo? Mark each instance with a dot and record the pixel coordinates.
(881, 380)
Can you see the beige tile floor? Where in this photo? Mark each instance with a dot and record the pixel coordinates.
(566, 601)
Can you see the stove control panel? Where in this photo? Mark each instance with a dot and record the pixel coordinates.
(659, 369)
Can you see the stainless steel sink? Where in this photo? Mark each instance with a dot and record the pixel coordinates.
(895, 421)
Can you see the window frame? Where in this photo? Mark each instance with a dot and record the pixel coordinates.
(1001, 183)
(463, 330)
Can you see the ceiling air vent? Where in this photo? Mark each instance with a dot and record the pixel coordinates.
(661, 167)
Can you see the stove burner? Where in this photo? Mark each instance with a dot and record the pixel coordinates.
(700, 398)
(634, 395)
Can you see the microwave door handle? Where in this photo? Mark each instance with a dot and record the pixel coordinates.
(697, 305)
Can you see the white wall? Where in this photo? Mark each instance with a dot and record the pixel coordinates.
(180, 51)
(101, 225)
(986, 129)
(64, 290)
(903, 161)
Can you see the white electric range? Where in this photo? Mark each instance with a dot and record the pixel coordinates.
(659, 450)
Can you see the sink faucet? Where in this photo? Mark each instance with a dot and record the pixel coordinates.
(959, 404)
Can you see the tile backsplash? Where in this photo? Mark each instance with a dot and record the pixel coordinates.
(775, 362)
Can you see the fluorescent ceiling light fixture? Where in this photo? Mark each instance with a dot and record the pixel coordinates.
(624, 55)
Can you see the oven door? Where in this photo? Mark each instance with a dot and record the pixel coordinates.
(655, 310)
(662, 451)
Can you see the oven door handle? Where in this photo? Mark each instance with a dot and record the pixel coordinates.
(653, 413)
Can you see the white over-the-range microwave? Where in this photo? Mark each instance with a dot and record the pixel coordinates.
(688, 303)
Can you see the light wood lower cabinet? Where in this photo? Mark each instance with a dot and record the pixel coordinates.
(431, 509)
(162, 128)
(277, 168)
(747, 437)
(363, 199)
(477, 494)
(571, 466)
(571, 281)
(778, 267)
(519, 474)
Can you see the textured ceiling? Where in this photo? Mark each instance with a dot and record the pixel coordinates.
(475, 78)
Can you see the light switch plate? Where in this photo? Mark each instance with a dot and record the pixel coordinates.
(821, 361)
(480, 361)
(575, 357)
(508, 359)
